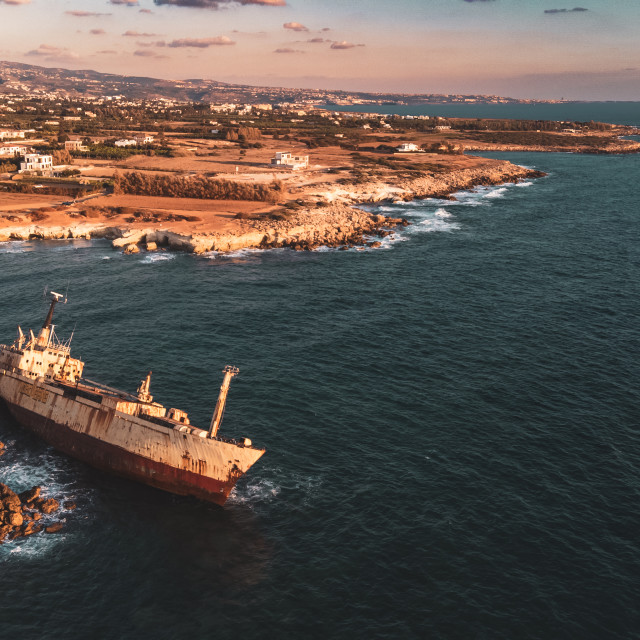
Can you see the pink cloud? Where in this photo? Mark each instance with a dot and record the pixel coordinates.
(344, 45)
(201, 43)
(295, 26)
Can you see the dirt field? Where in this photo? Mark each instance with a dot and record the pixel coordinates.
(22, 201)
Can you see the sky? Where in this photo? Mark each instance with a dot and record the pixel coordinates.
(544, 49)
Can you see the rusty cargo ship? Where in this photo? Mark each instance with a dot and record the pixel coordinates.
(115, 431)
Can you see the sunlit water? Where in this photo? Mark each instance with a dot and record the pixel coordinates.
(451, 424)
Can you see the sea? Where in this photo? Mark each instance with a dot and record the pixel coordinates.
(451, 423)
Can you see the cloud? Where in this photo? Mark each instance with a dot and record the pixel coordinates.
(145, 11)
(15, 2)
(53, 53)
(478, 0)
(86, 14)
(216, 4)
(295, 26)
(344, 45)
(574, 10)
(107, 52)
(201, 43)
(137, 34)
(147, 53)
(316, 40)
(128, 3)
(97, 32)
(288, 50)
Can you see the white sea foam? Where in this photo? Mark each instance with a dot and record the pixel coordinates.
(15, 246)
(21, 470)
(150, 258)
(443, 213)
(256, 491)
(524, 184)
(496, 193)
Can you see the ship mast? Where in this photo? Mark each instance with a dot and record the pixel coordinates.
(229, 372)
(45, 332)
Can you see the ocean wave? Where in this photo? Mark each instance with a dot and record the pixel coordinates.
(496, 193)
(157, 257)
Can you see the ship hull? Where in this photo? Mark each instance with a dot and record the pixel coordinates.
(172, 457)
(113, 459)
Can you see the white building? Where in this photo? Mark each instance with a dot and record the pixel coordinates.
(74, 145)
(143, 139)
(36, 162)
(125, 143)
(408, 147)
(7, 134)
(13, 150)
(287, 160)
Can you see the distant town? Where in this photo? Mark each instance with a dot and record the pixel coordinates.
(55, 83)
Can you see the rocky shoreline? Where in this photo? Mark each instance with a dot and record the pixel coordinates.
(329, 216)
(21, 513)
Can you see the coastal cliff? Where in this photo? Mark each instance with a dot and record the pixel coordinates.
(328, 216)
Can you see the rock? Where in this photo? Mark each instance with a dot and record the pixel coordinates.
(69, 505)
(12, 503)
(5, 491)
(15, 519)
(53, 528)
(36, 516)
(31, 528)
(16, 533)
(2, 445)
(152, 246)
(49, 506)
(30, 494)
(132, 248)
(375, 245)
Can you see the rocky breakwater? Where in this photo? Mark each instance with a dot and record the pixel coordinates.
(329, 226)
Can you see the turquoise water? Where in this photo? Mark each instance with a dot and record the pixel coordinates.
(451, 424)
(613, 112)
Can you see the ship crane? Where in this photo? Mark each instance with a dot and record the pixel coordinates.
(229, 372)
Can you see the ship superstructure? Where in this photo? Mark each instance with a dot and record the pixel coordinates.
(116, 431)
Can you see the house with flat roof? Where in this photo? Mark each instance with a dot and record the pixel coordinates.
(34, 162)
(74, 145)
(13, 150)
(408, 147)
(287, 160)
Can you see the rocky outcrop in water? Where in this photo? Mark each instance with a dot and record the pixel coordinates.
(21, 514)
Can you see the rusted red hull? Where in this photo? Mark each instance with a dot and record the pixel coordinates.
(113, 459)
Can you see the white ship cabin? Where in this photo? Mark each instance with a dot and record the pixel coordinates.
(408, 147)
(36, 162)
(43, 356)
(287, 160)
